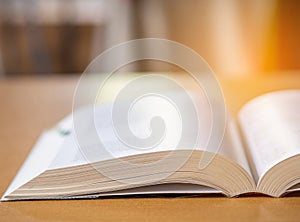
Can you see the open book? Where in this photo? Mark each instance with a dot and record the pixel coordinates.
(260, 153)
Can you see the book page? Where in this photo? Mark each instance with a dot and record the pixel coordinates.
(72, 153)
(152, 124)
(39, 159)
(271, 128)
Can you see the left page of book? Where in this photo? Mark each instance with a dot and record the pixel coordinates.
(39, 159)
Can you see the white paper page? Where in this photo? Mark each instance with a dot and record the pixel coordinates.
(96, 127)
(271, 127)
(72, 153)
(38, 160)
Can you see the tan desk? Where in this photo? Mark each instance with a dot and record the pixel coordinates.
(27, 106)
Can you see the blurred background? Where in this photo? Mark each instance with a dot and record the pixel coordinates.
(236, 37)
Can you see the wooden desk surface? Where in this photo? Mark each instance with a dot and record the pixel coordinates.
(32, 104)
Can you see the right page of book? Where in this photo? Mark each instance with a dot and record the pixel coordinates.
(270, 125)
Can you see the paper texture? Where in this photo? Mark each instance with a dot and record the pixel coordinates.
(271, 127)
(38, 160)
